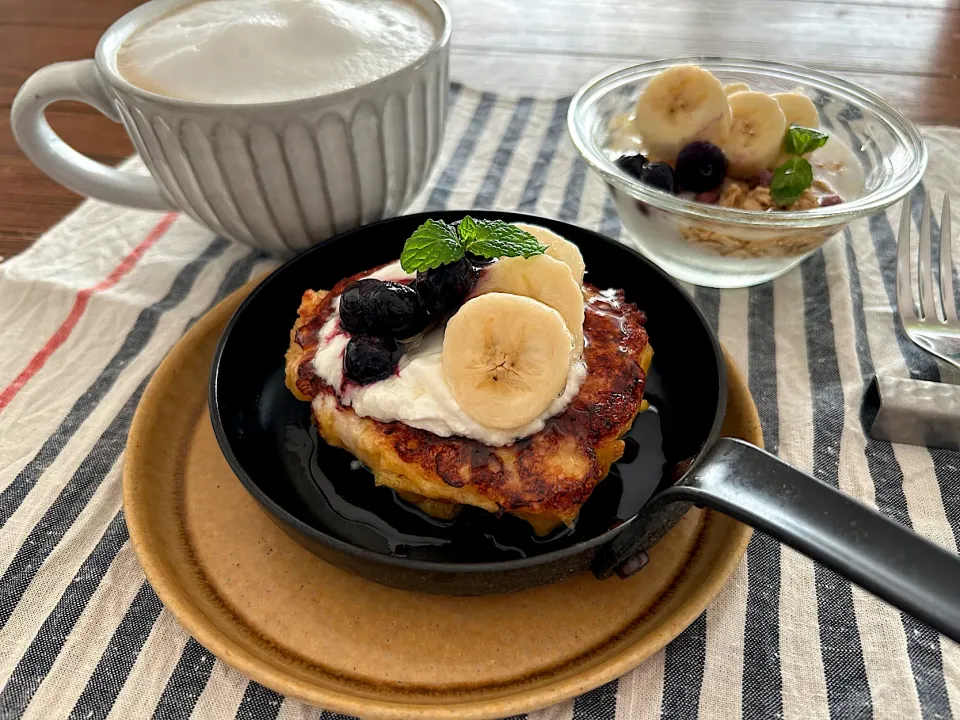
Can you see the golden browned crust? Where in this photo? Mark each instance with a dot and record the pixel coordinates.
(309, 307)
(545, 478)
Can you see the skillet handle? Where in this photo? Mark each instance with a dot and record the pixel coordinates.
(877, 553)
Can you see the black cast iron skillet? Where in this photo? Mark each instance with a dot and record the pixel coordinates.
(327, 502)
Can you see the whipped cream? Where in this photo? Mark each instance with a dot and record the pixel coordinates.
(249, 51)
(418, 394)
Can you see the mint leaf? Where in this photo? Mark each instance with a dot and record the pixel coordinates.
(790, 180)
(495, 238)
(802, 140)
(433, 244)
(467, 229)
(436, 243)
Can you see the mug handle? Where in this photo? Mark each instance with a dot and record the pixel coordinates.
(77, 80)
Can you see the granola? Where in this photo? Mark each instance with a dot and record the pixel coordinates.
(741, 196)
(738, 247)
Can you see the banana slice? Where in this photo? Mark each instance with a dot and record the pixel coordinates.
(756, 133)
(559, 248)
(506, 358)
(798, 109)
(735, 88)
(681, 104)
(542, 278)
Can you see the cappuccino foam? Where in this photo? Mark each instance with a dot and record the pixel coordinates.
(250, 51)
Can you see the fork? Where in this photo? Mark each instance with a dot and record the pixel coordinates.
(936, 333)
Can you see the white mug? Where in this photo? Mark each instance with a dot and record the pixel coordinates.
(279, 176)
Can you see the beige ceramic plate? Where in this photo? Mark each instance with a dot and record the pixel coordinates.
(274, 611)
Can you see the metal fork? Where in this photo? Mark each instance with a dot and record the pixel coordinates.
(937, 333)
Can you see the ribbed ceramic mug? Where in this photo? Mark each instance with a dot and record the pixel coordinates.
(279, 176)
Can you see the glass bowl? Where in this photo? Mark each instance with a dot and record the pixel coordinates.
(725, 247)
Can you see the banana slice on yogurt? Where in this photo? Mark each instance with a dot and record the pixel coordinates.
(756, 133)
(736, 87)
(506, 358)
(681, 104)
(541, 278)
(559, 248)
(798, 109)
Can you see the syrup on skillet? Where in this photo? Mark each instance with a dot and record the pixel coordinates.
(338, 495)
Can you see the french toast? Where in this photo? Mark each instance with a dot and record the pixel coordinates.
(543, 479)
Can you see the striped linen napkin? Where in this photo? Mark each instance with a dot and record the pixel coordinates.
(90, 310)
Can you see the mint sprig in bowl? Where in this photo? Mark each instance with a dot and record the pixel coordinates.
(725, 247)
(796, 174)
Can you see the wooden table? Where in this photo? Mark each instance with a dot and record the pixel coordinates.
(906, 50)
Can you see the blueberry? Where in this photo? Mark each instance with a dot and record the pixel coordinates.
(764, 178)
(632, 164)
(443, 289)
(355, 305)
(478, 261)
(368, 359)
(701, 166)
(395, 311)
(658, 175)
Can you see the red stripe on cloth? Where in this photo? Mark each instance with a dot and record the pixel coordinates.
(63, 332)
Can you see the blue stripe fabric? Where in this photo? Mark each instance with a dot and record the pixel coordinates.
(770, 661)
(114, 666)
(843, 662)
(762, 682)
(186, 683)
(259, 703)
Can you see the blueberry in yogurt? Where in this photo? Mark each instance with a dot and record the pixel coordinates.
(355, 310)
(701, 167)
(632, 164)
(382, 308)
(660, 176)
(368, 359)
(443, 289)
(395, 311)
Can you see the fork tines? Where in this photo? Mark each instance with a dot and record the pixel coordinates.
(929, 298)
